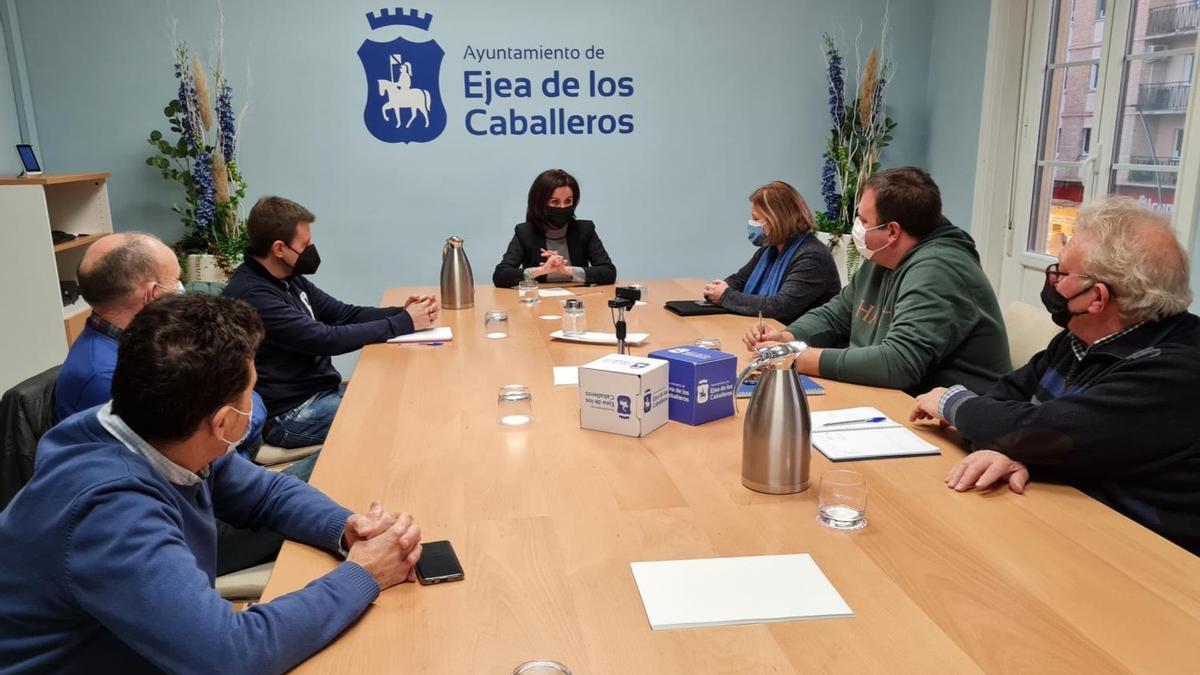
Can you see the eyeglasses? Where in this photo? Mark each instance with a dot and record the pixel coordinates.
(1053, 276)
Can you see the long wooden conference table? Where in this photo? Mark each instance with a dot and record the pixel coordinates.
(547, 518)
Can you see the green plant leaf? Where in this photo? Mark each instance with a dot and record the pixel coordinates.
(156, 135)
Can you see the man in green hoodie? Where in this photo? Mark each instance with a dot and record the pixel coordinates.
(919, 313)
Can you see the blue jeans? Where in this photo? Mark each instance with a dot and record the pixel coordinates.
(307, 423)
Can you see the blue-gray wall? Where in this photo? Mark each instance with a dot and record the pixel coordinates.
(727, 97)
(10, 132)
(958, 53)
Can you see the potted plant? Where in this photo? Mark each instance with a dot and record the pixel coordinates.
(202, 157)
(861, 130)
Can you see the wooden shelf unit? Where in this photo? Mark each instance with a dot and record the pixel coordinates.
(32, 265)
(81, 240)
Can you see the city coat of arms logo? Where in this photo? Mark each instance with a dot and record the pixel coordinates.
(404, 100)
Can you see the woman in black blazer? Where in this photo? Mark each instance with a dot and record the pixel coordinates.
(551, 245)
(791, 271)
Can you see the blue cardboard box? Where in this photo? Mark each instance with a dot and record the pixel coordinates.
(701, 383)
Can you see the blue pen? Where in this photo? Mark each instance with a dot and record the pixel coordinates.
(869, 420)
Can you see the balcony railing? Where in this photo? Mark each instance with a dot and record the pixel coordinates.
(1146, 176)
(1164, 96)
(1181, 18)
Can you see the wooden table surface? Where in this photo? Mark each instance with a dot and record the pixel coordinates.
(546, 519)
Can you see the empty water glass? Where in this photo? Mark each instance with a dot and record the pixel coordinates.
(541, 667)
(574, 318)
(527, 292)
(842, 501)
(515, 404)
(495, 324)
(709, 343)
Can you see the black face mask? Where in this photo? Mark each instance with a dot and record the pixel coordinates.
(560, 216)
(307, 261)
(1056, 304)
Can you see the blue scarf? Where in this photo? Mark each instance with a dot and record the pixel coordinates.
(767, 276)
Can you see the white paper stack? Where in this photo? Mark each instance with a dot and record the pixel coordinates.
(727, 591)
(439, 334)
(566, 375)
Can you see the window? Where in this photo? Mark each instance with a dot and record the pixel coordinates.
(1153, 99)
(1067, 116)
(1124, 134)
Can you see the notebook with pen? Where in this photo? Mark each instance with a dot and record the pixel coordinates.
(864, 433)
(811, 388)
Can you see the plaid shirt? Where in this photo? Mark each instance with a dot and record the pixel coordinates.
(102, 326)
(1081, 350)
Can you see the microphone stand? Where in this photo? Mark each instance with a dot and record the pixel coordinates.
(621, 331)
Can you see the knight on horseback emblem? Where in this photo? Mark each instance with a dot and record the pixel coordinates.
(402, 96)
(404, 104)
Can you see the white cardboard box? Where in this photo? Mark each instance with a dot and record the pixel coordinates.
(623, 394)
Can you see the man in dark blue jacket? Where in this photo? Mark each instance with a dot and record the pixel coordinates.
(108, 559)
(305, 326)
(1110, 406)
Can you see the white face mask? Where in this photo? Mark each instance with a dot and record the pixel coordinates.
(233, 445)
(177, 288)
(859, 235)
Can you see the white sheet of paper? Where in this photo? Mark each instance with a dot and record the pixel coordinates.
(438, 334)
(566, 375)
(595, 338)
(554, 293)
(726, 591)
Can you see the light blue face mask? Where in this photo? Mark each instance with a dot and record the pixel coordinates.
(754, 232)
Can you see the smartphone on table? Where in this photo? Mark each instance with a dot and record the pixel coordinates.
(438, 563)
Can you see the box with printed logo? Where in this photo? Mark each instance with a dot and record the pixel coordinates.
(701, 381)
(623, 395)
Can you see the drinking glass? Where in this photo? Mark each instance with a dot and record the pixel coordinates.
(842, 502)
(527, 292)
(495, 324)
(515, 405)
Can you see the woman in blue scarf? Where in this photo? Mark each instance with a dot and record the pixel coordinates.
(791, 272)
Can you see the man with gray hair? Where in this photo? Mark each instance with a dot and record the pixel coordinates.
(118, 276)
(1110, 405)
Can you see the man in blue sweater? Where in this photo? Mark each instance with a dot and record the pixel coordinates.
(118, 276)
(304, 325)
(107, 556)
(1110, 405)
